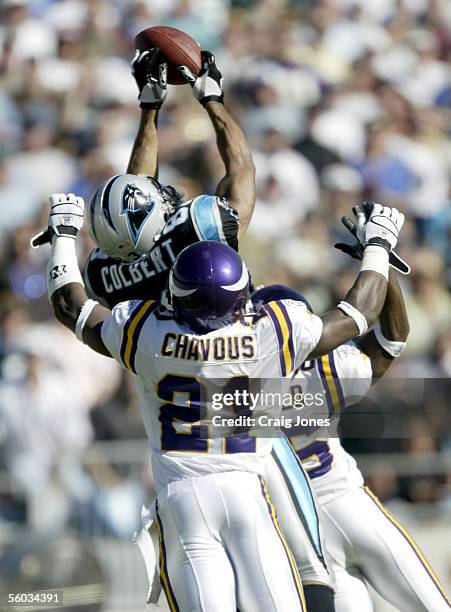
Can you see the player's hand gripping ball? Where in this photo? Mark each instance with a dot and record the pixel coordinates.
(208, 86)
(151, 78)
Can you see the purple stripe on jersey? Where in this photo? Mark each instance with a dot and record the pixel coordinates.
(137, 333)
(290, 331)
(125, 330)
(325, 386)
(337, 380)
(279, 334)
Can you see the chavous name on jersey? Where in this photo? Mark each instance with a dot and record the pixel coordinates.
(203, 218)
(171, 362)
(343, 376)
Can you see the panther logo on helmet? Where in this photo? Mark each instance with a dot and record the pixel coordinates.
(127, 213)
(137, 206)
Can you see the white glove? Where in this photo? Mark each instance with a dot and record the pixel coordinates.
(65, 218)
(377, 224)
(208, 86)
(356, 250)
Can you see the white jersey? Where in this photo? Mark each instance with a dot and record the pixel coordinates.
(344, 376)
(171, 362)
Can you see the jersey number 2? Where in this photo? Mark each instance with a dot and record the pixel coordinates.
(180, 427)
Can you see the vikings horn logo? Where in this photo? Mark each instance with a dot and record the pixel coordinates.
(136, 206)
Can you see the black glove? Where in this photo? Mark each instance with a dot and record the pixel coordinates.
(150, 77)
(356, 250)
(208, 86)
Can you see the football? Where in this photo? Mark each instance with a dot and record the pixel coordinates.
(176, 48)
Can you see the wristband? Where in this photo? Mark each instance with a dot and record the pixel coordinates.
(150, 105)
(62, 267)
(375, 259)
(206, 99)
(392, 347)
(85, 311)
(355, 314)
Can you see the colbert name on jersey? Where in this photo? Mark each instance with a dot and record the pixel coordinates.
(203, 218)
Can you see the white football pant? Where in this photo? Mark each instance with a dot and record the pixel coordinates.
(364, 539)
(300, 515)
(221, 547)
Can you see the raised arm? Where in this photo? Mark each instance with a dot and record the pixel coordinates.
(238, 184)
(388, 339)
(379, 228)
(150, 78)
(71, 305)
(144, 155)
(67, 294)
(366, 298)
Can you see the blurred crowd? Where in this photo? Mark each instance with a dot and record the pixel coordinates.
(341, 100)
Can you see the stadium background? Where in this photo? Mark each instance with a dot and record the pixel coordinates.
(340, 99)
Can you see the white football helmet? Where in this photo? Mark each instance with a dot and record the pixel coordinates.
(127, 212)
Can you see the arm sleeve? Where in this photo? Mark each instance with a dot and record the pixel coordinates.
(298, 332)
(214, 219)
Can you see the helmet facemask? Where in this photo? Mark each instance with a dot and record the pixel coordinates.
(171, 198)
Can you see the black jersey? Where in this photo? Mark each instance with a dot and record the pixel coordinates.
(203, 218)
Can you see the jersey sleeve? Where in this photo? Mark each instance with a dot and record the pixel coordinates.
(214, 219)
(121, 330)
(297, 330)
(354, 371)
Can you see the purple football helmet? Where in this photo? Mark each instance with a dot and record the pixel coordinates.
(208, 286)
(272, 293)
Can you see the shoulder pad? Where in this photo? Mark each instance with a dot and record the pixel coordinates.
(206, 219)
